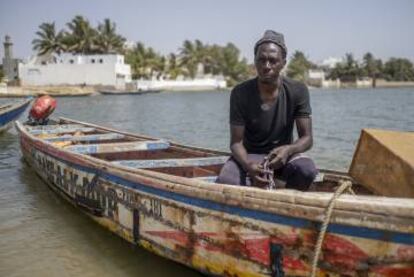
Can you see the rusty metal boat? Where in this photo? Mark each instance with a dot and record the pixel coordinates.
(162, 196)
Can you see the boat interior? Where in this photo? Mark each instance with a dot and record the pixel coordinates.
(134, 151)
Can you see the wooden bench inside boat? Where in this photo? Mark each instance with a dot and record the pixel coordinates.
(118, 147)
(201, 161)
(172, 152)
(202, 168)
(86, 137)
(59, 129)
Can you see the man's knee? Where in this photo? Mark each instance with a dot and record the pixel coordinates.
(307, 169)
(302, 173)
(230, 174)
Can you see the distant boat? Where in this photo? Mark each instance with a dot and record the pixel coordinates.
(162, 196)
(11, 112)
(128, 92)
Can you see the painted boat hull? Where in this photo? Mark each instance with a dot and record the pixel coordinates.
(11, 113)
(214, 231)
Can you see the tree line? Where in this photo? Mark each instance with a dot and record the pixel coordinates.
(81, 37)
(350, 69)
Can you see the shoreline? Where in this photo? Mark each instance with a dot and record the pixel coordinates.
(75, 91)
(56, 91)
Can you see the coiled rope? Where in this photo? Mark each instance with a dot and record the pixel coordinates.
(345, 186)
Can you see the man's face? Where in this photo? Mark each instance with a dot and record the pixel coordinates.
(269, 62)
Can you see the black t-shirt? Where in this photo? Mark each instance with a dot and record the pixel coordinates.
(268, 126)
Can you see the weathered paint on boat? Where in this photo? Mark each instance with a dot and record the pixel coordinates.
(229, 230)
(11, 112)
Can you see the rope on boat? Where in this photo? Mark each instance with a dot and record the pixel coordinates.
(345, 186)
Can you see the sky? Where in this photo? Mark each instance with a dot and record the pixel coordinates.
(319, 28)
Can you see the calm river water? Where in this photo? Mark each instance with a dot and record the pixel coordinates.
(41, 235)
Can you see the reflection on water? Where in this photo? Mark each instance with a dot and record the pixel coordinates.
(42, 235)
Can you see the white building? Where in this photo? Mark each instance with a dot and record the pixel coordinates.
(331, 62)
(316, 78)
(70, 69)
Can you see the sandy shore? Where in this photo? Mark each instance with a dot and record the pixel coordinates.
(26, 91)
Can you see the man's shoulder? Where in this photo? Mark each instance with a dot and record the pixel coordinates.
(293, 85)
(245, 86)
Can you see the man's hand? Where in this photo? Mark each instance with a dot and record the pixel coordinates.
(279, 156)
(256, 173)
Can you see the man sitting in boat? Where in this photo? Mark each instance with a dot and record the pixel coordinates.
(263, 112)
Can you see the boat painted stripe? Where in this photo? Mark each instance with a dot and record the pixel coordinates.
(61, 130)
(12, 114)
(97, 137)
(354, 231)
(118, 147)
(202, 161)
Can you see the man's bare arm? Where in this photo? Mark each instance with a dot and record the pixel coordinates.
(280, 155)
(236, 145)
(305, 137)
(240, 154)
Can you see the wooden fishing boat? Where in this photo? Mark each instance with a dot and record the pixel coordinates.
(11, 112)
(161, 196)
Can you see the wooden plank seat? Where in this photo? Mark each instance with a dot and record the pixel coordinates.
(54, 126)
(201, 161)
(118, 147)
(61, 130)
(93, 137)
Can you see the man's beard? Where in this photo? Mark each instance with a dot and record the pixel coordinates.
(269, 80)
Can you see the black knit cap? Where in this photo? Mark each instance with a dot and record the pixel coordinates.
(272, 36)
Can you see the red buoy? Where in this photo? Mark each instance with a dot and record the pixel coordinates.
(42, 108)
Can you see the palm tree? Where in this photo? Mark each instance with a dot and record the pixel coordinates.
(48, 40)
(190, 56)
(151, 61)
(231, 66)
(159, 65)
(82, 36)
(145, 62)
(371, 67)
(135, 58)
(299, 66)
(107, 40)
(212, 60)
(399, 69)
(173, 69)
(347, 71)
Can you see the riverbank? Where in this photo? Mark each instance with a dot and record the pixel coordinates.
(25, 91)
(61, 91)
(68, 91)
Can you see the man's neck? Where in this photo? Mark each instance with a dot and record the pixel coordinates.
(270, 89)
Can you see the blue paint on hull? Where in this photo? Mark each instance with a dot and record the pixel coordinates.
(12, 115)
